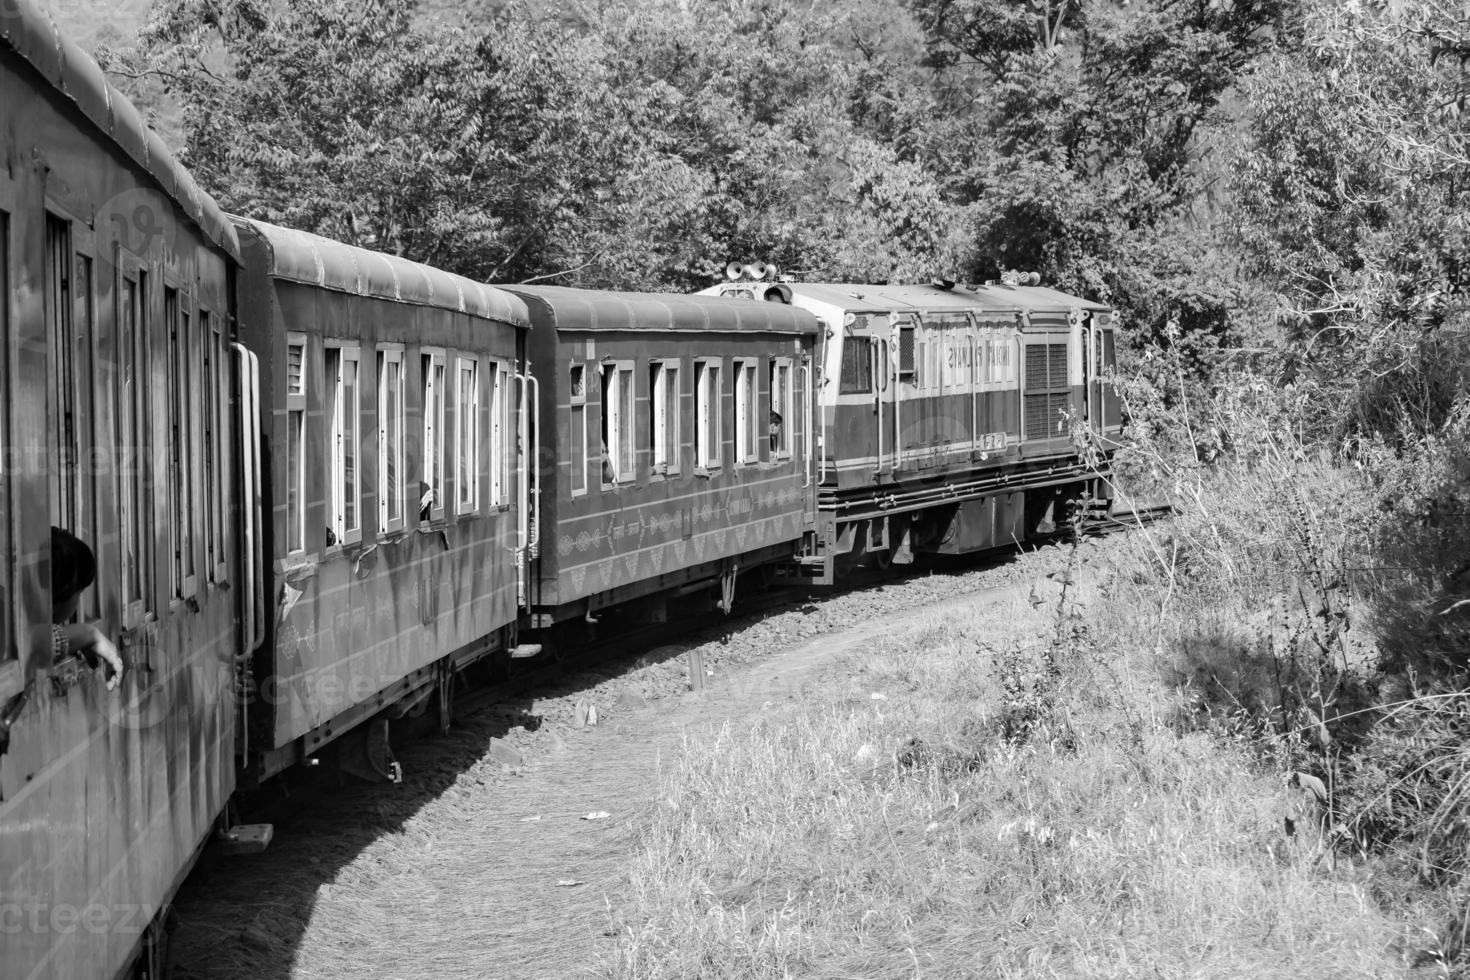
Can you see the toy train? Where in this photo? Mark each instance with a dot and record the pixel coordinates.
(320, 482)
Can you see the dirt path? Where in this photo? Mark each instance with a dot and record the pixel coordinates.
(485, 864)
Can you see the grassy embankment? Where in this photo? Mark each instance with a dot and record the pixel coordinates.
(1098, 783)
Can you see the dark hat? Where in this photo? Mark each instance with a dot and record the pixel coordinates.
(73, 566)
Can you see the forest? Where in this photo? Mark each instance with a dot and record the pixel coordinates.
(1270, 192)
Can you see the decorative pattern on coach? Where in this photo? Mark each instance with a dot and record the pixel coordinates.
(117, 427)
(389, 395)
(676, 443)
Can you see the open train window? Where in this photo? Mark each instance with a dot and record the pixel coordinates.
(214, 366)
(498, 382)
(857, 366)
(70, 326)
(663, 378)
(295, 443)
(392, 505)
(747, 449)
(577, 429)
(134, 418)
(707, 429)
(431, 493)
(8, 650)
(466, 435)
(344, 435)
(181, 455)
(783, 408)
(618, 446)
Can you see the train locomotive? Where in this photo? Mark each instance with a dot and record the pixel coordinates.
(320, 482)
(952, 419)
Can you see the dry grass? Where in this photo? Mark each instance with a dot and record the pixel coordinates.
(844, 836)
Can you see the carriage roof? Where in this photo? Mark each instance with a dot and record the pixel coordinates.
(593, 310)
(914, 298)
(299, 256)
(32, 34)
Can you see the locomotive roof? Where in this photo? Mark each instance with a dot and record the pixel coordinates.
(71, 72)
(299, 256)
(594, 309)
(996, 297)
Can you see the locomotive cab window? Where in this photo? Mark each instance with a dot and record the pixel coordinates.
(344, 427)
(577, 427)
(435, 388)
(783, 408)
(664, 386)
(857, 366)
(391, 491)
(707, 428)
(618, 446)
(295, 443)
(747, 449)
(466, 436)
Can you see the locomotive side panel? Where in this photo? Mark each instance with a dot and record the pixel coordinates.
(116, 424)
(391, 493)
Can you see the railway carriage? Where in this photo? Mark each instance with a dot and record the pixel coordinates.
(666, 472)
(952, 419)
(397, 534)
(117, 425)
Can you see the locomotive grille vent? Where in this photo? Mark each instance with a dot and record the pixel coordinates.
(294, 356)
(1047, 395)
(1046, 415)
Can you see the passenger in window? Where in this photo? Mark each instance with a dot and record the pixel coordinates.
(775, 430)
(609, 475)
(73, 568)
(428, 497)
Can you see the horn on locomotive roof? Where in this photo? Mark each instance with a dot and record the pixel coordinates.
(751, 270)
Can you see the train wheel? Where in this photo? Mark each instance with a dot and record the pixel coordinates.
(881, 560)
(843, 565)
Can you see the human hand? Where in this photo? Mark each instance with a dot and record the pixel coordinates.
(107, 653)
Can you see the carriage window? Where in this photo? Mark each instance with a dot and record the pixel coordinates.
(344, 425)
(180, 457)
(498, 456)
(618, 446)
(8, 649)
(295, 443)
(133, 442)
(61, 342)
(747, 449)
(783, 408)
(390, 439)
(577, 429)
(663, 377)
(857, 365)
(707, 429)
(466, 435)
(431, 491)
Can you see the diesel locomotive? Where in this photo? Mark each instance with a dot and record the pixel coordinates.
(320, 482)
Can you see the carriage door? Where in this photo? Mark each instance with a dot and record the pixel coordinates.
(1092, 373)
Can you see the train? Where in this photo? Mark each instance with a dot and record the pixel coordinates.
(322, 483)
